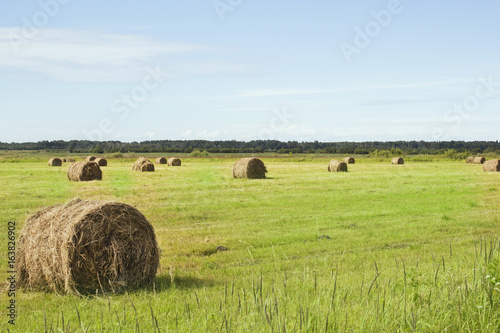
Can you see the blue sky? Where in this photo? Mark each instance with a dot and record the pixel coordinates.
(240, 69)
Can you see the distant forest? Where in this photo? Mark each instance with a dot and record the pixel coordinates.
(260, 146)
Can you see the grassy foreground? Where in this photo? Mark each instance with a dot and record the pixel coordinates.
(381, 248)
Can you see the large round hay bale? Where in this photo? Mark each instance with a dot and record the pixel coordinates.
(85, 246)
(492, 165)
(83, 171)
(398, 160)
(55, 161)
(349, 160)
(469, 160)
(71, 160)
(250, 167)
(337, 166)
(144, 165)
(174, 161)
(161, 160)
(90, 158)
(101, 161)
(479, 160)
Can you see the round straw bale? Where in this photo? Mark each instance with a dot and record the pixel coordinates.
(64, 160)
(479, 160)
(174, 161)
(249, 167)
(337, 166)
(55, 162)
(161, 160)
(84, 171)
(71, 160)
(492, 165)
(85, 246)
(469, 160)
(143, 164)
(398, 160)
(90, 158)
(101, 161)
(349, 160)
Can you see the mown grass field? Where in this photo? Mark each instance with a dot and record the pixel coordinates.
(381, 248)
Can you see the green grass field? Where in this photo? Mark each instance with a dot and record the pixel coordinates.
(381, 248)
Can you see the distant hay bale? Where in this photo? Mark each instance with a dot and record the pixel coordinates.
(492, 165)
(55, 161)
(64, 160)
(144, 165)
(84, 171)
(71, 160)
(349, 160)
(174, 161)
(398, 160)
(249, 167)
(101, 161)
(85, 246)
(479, 160)
(337, 166)
(161, 160)
(469, 160)
(90, 158)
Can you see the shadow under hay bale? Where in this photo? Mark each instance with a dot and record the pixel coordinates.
(349, 160)
(84, 171)
(250, 167)
(90, 158)
(174, 161)
(161, 160)
(492, 166)
(101, 161)
(84, 246)
(143, 165)
(469, 160)
(71, 160)
(479, 160)
(55, 162)
(398, 160)
(337, 166)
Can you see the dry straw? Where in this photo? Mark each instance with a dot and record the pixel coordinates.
(479, 160)
(161, 160)
(144, 165)
(492, 165)
(349, 160)
(90, 158)
(174, 161)
(250, 167)
(101, 161)
(470, 160)
(85, 246)
(398, 160)
(55, 162)
(84, 171)
(337, 166)
(71, 160)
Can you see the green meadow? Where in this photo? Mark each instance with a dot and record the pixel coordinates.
(381, 248)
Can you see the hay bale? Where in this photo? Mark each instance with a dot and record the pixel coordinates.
(64, 160)
(84, 246)
(479, 160)
(161, 160)
(337, 166)
(470, 160)
(398, 160)
(71, 160)
(349, 160)
(492, 165)
(144, 165)
(250, 167)
(55, 161)
(101, 161)
(84, 171)
(90, 158)
(174, 161)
